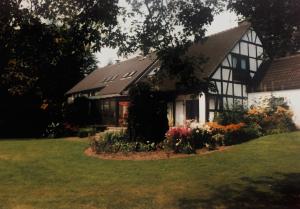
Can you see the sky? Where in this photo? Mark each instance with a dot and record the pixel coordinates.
(221, 22)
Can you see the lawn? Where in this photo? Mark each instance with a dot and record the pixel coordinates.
(264, 173)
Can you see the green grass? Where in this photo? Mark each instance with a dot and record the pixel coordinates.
(264, 173)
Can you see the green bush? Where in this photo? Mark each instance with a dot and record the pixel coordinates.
(231, 114)
(273, 115)
(147, 119)
(117, 141)
(85, 132)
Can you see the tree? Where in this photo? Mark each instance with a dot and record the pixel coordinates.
(53, 41)
(46, 47)
(147, 114)
(275, 21)
(169, 28)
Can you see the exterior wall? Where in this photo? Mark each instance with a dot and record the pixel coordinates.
(291, 96)
(180, 109)
(229, 89)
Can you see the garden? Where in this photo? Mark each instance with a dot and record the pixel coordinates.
(233, 126)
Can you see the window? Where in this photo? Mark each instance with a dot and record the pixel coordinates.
(114, 77)
(128, 75)
(109, 79)
(153, 72)
(192, 110)
(132, 73)
(243, 64)
(240, 64)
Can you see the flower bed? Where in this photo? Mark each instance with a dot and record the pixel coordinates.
(225, 131)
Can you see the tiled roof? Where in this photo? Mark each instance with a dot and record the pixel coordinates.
(282, 74)
(114, 74)
(215, 48)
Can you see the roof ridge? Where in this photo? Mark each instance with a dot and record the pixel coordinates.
(229, 29)
(126, 60)
(287, 57)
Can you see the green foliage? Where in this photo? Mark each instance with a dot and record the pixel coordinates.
(169, 28)
(46, 47)
(269, 116)
(58, 130)
(273, 115)
(231, 114)
(117, 141)
(147, 119)
(275, 21)
(187, 140)
(85, 132)
(78, 112)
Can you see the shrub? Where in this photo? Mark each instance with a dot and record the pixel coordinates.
(147, 118)
(218, 140)
(117, 141)
(57, 130)
(273, 115)
(85, 132)
(180, 140)
(231, 115)
(231, 133)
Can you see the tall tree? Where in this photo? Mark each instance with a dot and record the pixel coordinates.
(169, 28)
(46, 47)
(276, 22)
(52, 41)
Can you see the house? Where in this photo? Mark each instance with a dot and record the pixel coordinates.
(234, 58)
(281, 79)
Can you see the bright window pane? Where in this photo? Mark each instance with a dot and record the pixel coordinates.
(243, 64)
(234, 62)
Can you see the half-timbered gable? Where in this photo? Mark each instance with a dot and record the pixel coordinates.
(232, 59)
(232, 76)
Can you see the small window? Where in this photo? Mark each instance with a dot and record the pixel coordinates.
(126, 75)
(105, 80)
(114, 77)
(241, 67)
(132, 73)
(234, 61)
(153, 72)
(192, 110)
(244, 64)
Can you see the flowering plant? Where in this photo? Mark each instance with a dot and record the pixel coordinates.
(178, 132)
(179, 140)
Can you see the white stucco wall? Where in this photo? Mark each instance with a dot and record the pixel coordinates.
(291, 96)
(180, 114)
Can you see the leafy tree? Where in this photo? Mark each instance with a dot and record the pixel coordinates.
(169, 28)
(46, 47)
(51, 42)
(147, 114)
(276, 22)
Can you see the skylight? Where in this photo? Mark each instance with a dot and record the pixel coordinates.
(110, 79)
(128, 75)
